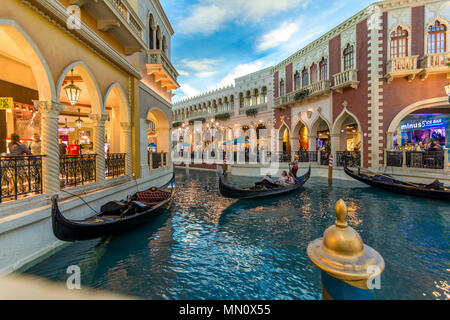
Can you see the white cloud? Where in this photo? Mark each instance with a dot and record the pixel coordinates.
(183, 73)
(241, 70)
(278, 36)
(205, 74)
(200, 65)
(188, 91)
(210, 15)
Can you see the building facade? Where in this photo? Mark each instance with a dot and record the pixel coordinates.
(355, 87)
(84, 87)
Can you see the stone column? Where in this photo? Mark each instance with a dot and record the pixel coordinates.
(312, 143)
(99, 144)
(145, 169)
(50, 145)
(389, 140)
(335, 142)
(125, 146)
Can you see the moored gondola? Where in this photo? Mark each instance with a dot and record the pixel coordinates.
(433, 190)
(115, 217)
(254, 192)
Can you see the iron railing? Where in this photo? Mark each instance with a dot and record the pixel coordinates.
(425, 159)
(75, 170)
(158, 160)
(20, 176)
(394, 158)
(115, 165)
(307, 156)
(353, 158)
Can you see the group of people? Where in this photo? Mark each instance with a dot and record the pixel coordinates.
(17, 148)
(420, 147)
(284, 180)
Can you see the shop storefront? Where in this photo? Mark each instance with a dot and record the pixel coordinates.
(421, 130)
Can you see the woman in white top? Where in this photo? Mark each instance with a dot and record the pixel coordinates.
(35, 145)
(284, 178)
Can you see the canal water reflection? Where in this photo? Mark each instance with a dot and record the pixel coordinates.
(209, 247)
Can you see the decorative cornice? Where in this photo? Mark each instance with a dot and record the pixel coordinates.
(103, 50)
(156, 95)
(163, 16)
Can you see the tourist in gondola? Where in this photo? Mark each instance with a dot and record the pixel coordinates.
(283, 179)
(295, 166)
(291, 179)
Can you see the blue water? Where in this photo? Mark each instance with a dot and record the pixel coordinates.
(209, 247)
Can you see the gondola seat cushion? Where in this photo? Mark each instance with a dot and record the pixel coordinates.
(113, 208)
(151, 198)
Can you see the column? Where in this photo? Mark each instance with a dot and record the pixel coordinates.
(99, 144)
(335, 138)
(50, 144)
(144, 157)
(164, 141)
(125, 146)
(446, 160)
(312, 143)
(389, 140)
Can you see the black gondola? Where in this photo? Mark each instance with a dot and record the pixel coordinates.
(253, 192)
(115, 217)
(434, 190)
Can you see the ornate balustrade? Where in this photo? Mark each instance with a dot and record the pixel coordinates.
(158, 159)
(348, 78)
(20, 176)
(75, 170)
(115, 165)
(162, 69)
(402, 67)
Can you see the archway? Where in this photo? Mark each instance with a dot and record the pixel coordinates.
(26, 78)
(300, 139)
(81, 127)
(346, 139)
(158, 139)
(284, 140)
(321, 132)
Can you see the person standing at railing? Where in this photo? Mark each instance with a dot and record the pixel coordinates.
(62, 148)
(74, 149)
(17, 148)
(434, 147)
(35, 145)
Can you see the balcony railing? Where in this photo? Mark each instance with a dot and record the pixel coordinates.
(20, 176)
(394, 158)
(353, 158)
(435, 63)
(262, 107)
(416, 159)
(115, 165)
(77, 170)
(307, 156)
(402, 67)
(280, 101)
(313, 90)
(125, 13)
(348, 78)
(160, 66)
(158, 159)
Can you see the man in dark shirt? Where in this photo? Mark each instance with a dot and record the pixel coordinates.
(62, 148)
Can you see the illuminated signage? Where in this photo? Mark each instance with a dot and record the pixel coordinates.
(6, 103)
(423, 124)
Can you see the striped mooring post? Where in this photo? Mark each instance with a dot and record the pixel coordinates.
(350, 269)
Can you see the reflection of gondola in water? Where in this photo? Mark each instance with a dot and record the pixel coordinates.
(115, 217)
(255, 192)
(434, 190)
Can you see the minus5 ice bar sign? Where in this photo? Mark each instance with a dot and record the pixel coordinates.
(423, 124)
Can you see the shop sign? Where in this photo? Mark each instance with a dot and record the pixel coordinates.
(423, 124)
(6, 103)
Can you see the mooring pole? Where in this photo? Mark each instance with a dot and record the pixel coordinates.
(330, 169)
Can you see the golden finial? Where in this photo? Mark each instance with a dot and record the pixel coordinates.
(341, 214)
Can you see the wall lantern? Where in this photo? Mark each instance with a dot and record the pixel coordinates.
(72, 92)
(79, 122)
(447, 90)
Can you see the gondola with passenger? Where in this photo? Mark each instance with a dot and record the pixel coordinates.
(435, 190)
(259, 190)
(115, 217)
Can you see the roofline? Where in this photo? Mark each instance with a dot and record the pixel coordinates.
(160, 8)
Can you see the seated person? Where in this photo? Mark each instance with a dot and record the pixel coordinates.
(291, 178)
(267, 181)
(283, 179)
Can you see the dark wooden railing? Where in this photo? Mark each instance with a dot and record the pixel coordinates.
(426, 159)
(75, 170)
(115, 165)
(394, 158)
(20, 176)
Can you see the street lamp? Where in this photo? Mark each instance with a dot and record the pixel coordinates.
(447, 90)
(79, 122)
(72, 92)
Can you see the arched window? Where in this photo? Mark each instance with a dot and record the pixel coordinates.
(314, 73)
(282, 91)
(151, 32)
(305, 78)
(297, 80)
(348, 57)
(164, 44)
(399, 43)
(436, 38)
(241, 100)
(323, 67)
(158, 39)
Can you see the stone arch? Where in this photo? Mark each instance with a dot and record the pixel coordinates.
(41, 71)
(337, 137)
(119, 117)
(315, 128)
(284, 128)
(296, 133)
(91, 84)
(162, 127)
(427, 103)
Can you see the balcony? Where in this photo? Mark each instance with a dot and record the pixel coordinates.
(280, 102)
(401, 68)
(119, 19)
(315, 89)
(435, 63)
(160, 66)
(262, 107)
(348, 78)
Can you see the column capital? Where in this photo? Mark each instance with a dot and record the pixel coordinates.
(48, 106)
(125, 125)
(99, 118)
